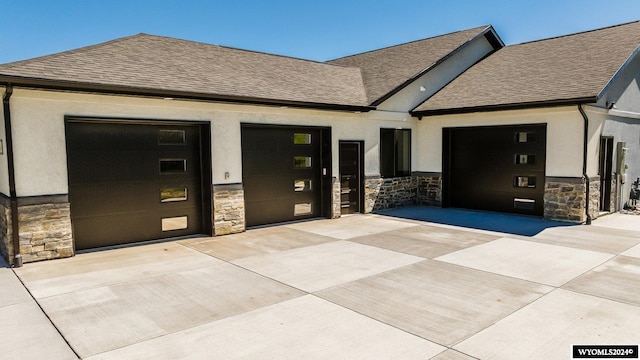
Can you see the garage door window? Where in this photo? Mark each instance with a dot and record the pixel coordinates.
(395, 152)
(302, 162)
(173, 166)
(303, 209)
(526, 137)
(173, 194)
(524, 181)
(171, 137)
(301, 139)
(302, 185)
(522, 159)
(175, 223)
(524, 204)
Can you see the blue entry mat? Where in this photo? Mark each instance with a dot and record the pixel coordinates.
(476, 219)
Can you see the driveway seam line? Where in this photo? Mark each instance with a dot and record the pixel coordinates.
(46, 315)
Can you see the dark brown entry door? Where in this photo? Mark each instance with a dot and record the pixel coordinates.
(281, 173)
(131, 182)
(495, 168)
(350, 177)
(605, 171)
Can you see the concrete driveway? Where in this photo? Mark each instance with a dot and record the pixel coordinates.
(360, 287)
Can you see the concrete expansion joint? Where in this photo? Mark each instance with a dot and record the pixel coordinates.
(45, 314)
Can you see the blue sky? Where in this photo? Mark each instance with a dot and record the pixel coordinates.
(311, 29)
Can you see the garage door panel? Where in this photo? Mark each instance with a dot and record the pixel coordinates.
(281, 173)
(109, 166)
(124, 178)
(268, 188)
(496, 168)
(134, 196)
(127, 228)
(261, 164)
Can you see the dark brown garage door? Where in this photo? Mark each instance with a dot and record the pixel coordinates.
(499, 168)
(131, 182)
(282, 173)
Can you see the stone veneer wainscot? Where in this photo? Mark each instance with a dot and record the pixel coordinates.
(228, 209)
(429, 189)
(44, 228)
(565, 199)
(385, 193)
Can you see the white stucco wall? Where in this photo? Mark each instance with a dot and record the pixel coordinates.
(565, 132)
(623, 129)
(39, 134)
(411, 96)
(596, 127)
(4, 168)
(623, 91)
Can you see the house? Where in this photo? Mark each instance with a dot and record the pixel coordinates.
(148, 137)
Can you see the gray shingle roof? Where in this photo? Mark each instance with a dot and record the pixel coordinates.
(153, 62)
(386, 69)
(568, 68)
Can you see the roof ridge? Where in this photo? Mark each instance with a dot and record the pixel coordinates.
(237, 49)
(576, 33)
(273, 54)
(124, 38)
(73, 51)
(484, 27)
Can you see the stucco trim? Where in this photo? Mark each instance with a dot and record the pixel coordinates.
(503, 107)
(222, 187)
(489, 33)
(426, 173)
(42, 84)
(565, 179)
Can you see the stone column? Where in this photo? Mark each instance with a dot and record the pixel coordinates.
(6, 244)
(228, 209)
(565, 199)
(429, 189)
(44, 224)
(335, 198)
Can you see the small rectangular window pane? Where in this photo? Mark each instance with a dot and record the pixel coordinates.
(173, 166)
(174, 223)
(302, 209)
(525, 159)
(387, 152)
(173, 194)
(525, 137)
(302, 161)
(403, 151)
(170, 137)
(301, 139)
(524, 181)
(395, 152)
(524, 204)
(302, 185)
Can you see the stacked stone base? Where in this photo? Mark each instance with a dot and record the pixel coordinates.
(565, 199)
(45, 229)
(429, 189)
(389, 193)
(228, 209)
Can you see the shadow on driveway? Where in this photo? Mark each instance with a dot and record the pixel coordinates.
(484, 220)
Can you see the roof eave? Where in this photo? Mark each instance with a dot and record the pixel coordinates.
(489, 32)
(503, 107)
(48, 84)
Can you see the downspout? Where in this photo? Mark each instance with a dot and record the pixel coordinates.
(585, 176)
(15, 230)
